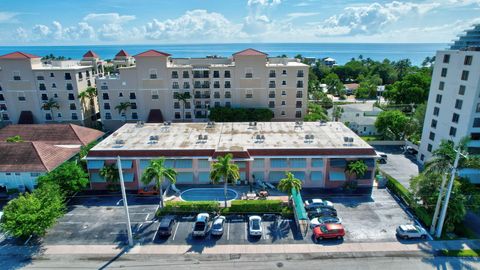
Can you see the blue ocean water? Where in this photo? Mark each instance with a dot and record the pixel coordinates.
(342, 52)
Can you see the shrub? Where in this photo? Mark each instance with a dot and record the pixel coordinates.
(260, 206)
(287, 212)
(188, 207)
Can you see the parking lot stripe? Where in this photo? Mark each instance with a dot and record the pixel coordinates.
(246, 231)
(175, 232)
(228, 230)
(147, 216)
(265, 235)
(155, 234)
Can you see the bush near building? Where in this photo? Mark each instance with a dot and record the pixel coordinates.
(188, 207)
(237, 207)
(225, 114)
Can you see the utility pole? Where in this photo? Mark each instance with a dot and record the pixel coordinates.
(449, 191)
(439, 203)
(125, 204)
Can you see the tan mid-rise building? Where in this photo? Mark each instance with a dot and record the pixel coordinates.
(27, 83)
(249, 79)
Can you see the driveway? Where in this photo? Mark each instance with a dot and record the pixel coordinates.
(398, 165)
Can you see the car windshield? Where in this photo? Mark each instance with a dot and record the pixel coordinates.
(255, 224)
(217, 226)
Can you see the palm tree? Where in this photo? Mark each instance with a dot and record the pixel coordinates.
(444, 156)
(122, 108)
(50, 105)
(224, 170)
(111, 175)
(289, 183)
(90, 93)
(182, 97)
(158, 172)
(358, 168)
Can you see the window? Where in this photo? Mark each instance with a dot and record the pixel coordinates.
(59, 115)
(216, 74)
(300, 73)
(175, 85)
(42, 86)
(453, 131)
(248, 94)
(248, 73)
(216, 104)
(422, 157)
(54, 85)
(106, 106)
(431, 136)
(154, 96)
(284, 103)
(134, 115)
(465, 75)
(298, 104)
(476, 122)
(228, 94)
(271, 94)
(3, 107)
(461, 90)
(299, 94)
(458, 104)
(441, 85)
(188, 115)
(216, 94)
(298, 163)
(183, 163)
(478, 108)
(298, 114)
(120, 94)
(68, 76)
(439, 99)
(283, 113)
(71, 96)
(52, 75)
(1, 97)
(278, 163)
(228, 104)
(284, 82)
(108, 116)
(105, 96)
(48, 116)
(104, 87)
(40, 78)
(434, 123)
(133, 96)
(176, 105)
(227, 74)
(429, 148)
(21, 98)
(216, 84)
(455, 118)
(80, 75)
(186, 74)
(227, 84)
(133, 106)
(73, 107)
(187, 105)
(271, 84)
(69, 86)
(174, 74)
(16, 76)
(468, 60)
(272, 74)
(55, 95)
(284, 93)
(74, 116)
(153, 76)
(446, 58)
(186, 85)
(271, 104)
(284, 72)
(444, 72)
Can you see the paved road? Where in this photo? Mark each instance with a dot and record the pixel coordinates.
(253, 261)
(398, 165)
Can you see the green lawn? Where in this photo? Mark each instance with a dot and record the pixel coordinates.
(461, 253)
(371, 138)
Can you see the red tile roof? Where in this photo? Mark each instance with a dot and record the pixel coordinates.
(18, 55)
(151, 53)
(91, 53)
(59, 134)
(122, 53)
(33, 156)
(249, 52)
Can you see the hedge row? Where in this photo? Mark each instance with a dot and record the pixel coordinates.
(188, 207)
(237, 207)
(260, 206)
(398, 189)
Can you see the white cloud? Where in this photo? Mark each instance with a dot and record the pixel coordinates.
(295, 15)
(198, 25)
(8, 17)
(108, 18)
(263, 2)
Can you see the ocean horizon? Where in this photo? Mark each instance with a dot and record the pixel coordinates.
(342, 52)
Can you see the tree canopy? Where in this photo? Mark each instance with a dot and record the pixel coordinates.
(69, 176)
(394, 125)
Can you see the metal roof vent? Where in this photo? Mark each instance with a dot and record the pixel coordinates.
(154, 138)
(119, 141)
(140, 124)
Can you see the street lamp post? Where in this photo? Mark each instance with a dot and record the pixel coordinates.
(125, 204)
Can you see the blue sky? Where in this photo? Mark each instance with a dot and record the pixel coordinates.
(68, 22)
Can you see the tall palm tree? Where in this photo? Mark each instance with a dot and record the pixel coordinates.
(183, 97)
(122, 108)
(50, 105)
(444, 156)
(111, 175)
(289, 183)
(159, 173)
(90, 93)
(224, 170)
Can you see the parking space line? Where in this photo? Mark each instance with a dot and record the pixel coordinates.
(147, 216)
(175, 232)
(70, 222)
(265, 234)
(155, 234)
(228, 230)
(246, 232)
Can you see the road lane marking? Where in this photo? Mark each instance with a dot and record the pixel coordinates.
(175, 232)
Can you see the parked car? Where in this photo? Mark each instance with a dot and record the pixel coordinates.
(316, 203)
(217, 225)
(411, 231)
(321, 212)
(200, 227)
(382, 157)
(166, 226)
(324, 220)
(255, 226)
(330, 230)
(410, 151)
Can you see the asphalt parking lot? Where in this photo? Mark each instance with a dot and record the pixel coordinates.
(100, 220)
(398, 165)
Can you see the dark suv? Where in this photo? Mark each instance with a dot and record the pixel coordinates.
(166, 226)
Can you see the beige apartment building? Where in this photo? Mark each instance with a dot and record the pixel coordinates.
(249, 79)
(27, 82)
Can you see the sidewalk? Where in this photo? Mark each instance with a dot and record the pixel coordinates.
(429, 247)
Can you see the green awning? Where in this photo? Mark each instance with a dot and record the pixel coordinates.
(299, 208)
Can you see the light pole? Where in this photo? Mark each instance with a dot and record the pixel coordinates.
(439, 203)
(125, 204)
(449, 191)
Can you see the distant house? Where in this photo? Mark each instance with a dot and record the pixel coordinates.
(329, 62)
(310, 60)
(351, 88)
(360, 117)
(42, 149)
(380, 90)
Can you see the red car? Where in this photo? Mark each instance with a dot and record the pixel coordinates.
(330, 230)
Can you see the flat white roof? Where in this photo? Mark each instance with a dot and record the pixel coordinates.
(235, 136)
